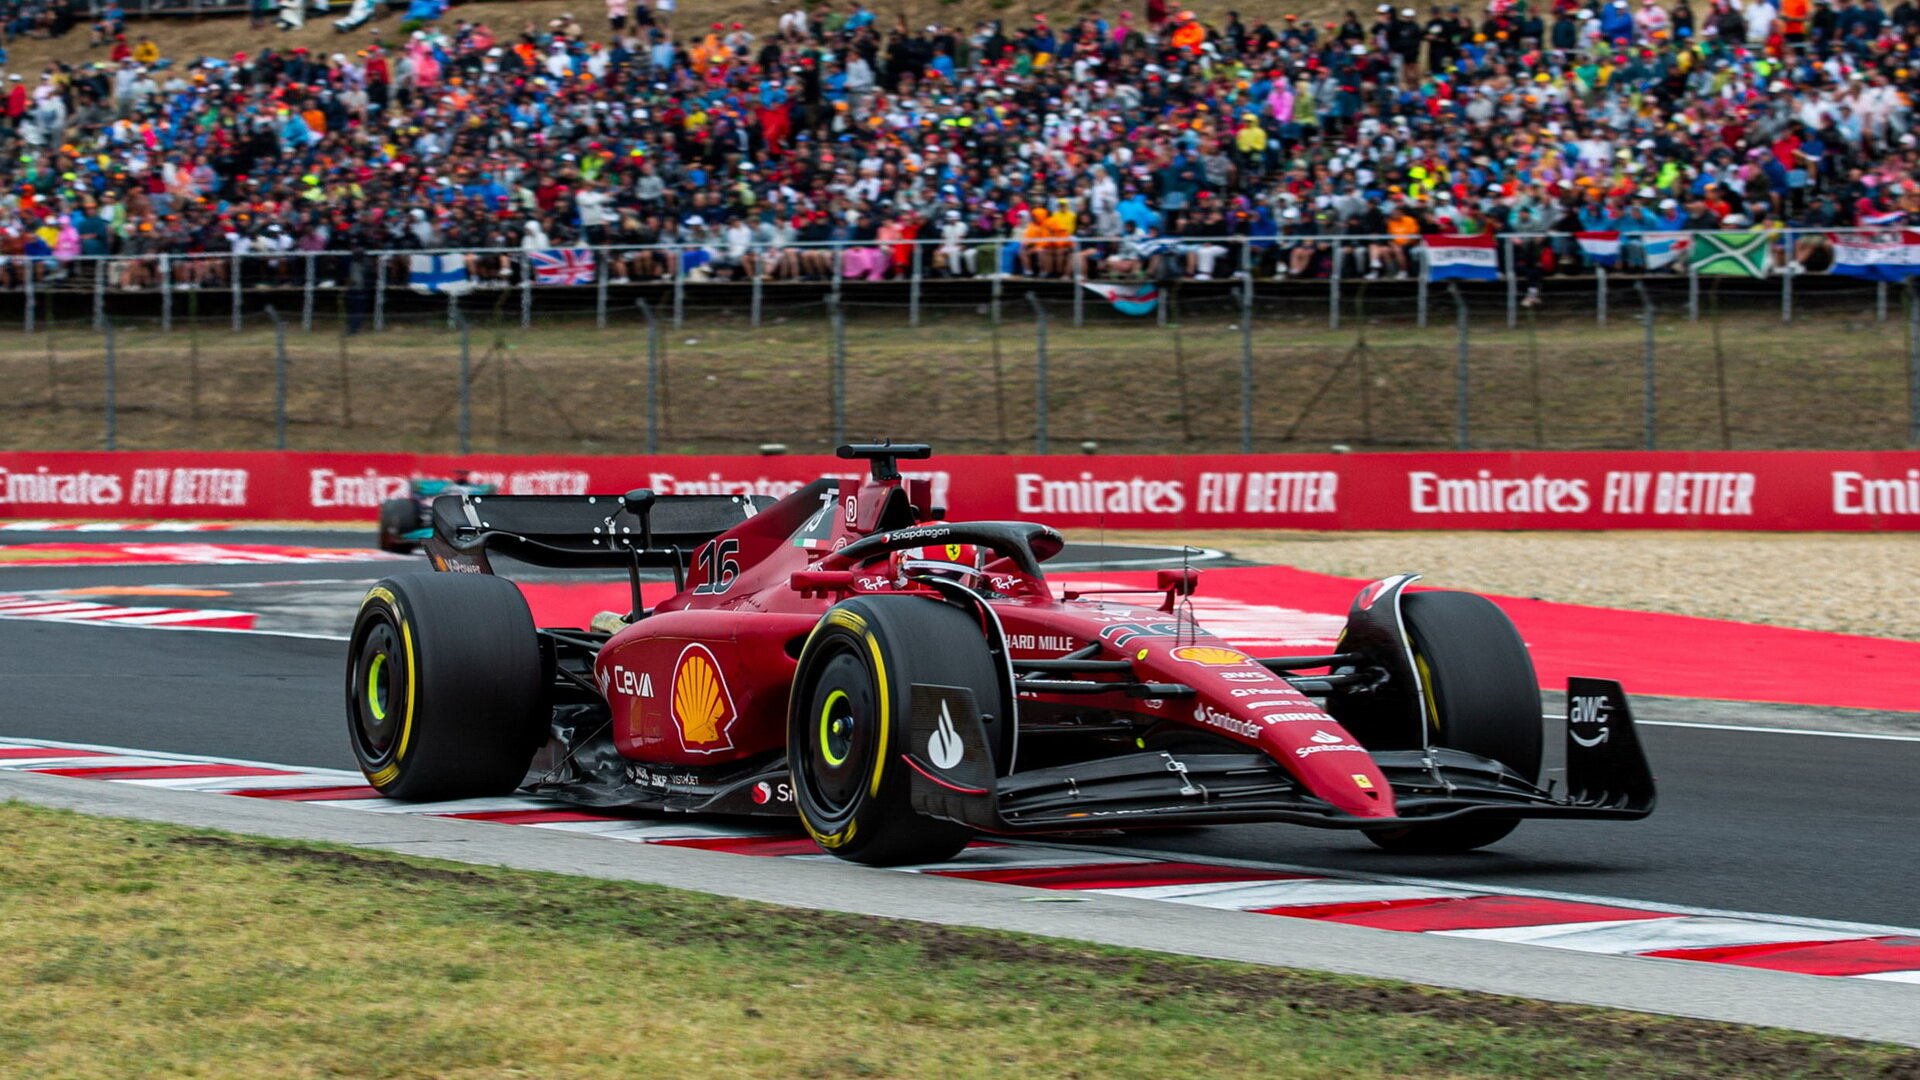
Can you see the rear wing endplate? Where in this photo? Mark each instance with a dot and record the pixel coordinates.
(582, 531)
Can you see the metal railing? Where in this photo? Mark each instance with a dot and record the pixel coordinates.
(1335, 265)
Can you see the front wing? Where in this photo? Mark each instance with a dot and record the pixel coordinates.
(953, 778)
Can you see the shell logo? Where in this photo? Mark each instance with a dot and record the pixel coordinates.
(702, 706)
(1209, 655)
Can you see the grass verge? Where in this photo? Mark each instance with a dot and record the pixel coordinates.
(1828, 381)
(149, 950)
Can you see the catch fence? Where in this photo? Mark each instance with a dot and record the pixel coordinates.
(999, 363)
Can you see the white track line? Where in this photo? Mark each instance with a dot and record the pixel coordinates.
(1852, 929)
(1779, 731)
(169, 758)
(1628, 937)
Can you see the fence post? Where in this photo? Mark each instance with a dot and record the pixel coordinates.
(653, 377)
(1879, 301)
(1079, 294)
(680, 289)
(1786, 275)
(1420, 297)
(279, 378)
(525, 265)
(466, 380)
(1246, 367)
(599, 289)
(1513, 281)
(913, 289)
(166, 295)
(1462, 432)
(1246, 273)
(234, 279)
(839, 268)
(838, 327)
(1600, 295)
(759, 277)
(380, 290)
(30, 268)
(1333, 290)
(306, 298)
(1913, 364)
(111, 403)
(994, 303)
(1649, 413)
(1039, 374)
(99, 293)
(1693, 291)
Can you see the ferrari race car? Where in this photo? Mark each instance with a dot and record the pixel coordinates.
(404, 522)
(901, 682)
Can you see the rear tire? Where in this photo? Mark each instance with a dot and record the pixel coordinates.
(445, 696)
(848, 724)
(1484, 698)
(398, 517)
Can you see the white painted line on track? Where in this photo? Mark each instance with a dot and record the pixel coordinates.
(168, 758)
(643, 831)
(1247, 895)
(1630, 936)
(230, 785)
(1851, 929)
(109, 761)
(1010, 857)
(1894, 976)
(1758, 730)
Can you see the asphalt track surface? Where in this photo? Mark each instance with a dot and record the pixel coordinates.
(1759, 821)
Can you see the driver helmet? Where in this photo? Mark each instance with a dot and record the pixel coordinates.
(954, 562)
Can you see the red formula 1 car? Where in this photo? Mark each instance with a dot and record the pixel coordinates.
(902, 682)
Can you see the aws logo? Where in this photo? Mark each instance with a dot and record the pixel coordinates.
(702, 706)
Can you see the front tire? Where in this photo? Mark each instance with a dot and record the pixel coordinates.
(848, 724)
(444, 687)
(398, 517)
(1482, 693)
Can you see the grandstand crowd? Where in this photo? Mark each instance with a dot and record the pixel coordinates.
(1123, 143)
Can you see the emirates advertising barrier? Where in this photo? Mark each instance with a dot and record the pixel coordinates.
(1762, 490)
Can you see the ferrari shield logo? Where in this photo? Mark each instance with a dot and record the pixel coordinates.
(702, 706)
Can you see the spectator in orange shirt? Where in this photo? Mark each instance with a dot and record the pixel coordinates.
(1043, 247)
(1189, 34)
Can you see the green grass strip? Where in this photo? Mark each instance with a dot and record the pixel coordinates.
(136, 950)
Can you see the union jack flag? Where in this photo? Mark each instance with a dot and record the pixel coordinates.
(571, 266)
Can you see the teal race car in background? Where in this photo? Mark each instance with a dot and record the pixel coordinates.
(405, 522)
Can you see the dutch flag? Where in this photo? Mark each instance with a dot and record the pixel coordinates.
(1600, 248)
(1891, 256)
(1465, 257)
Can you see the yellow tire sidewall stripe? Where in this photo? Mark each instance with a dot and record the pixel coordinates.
(387, 774)
(885, 721)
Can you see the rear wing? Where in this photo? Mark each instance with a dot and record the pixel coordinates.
(638, 529)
